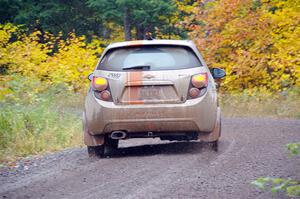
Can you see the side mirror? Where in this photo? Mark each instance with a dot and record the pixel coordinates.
(217, 73)
(90, 77)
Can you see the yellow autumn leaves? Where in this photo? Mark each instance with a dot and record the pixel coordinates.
(45, 57)
(256, 42)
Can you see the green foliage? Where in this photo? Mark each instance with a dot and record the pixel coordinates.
(143, 15)
(293, 148)
(261, 103)
(52, 15)
(291, 187)
(35, 122)
(91, 17)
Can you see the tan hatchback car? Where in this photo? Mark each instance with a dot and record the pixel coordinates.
(151, 89)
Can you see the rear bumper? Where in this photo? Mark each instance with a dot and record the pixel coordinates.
(197, 115)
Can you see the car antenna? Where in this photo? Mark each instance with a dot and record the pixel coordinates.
(148, 36)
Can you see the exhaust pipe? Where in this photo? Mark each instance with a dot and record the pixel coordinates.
(118, 135)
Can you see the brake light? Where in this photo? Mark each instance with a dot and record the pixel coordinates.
(200, 80)
(105, 95)
(99, 83)
(198, 85)
(101, 89)
(194, 92)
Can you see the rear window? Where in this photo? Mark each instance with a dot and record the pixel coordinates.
(149, 58)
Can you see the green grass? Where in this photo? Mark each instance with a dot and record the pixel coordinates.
(50, 122)
(273, 105)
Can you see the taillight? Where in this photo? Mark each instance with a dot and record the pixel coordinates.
(101, 89)
(99, 83)
(105, 95)
(198, 86)
(200, 80)
(194, 92)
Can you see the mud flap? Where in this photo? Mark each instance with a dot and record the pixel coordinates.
(216, 133)
(91, 140)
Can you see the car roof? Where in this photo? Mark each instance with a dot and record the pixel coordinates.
(187, 43)
(152, 42)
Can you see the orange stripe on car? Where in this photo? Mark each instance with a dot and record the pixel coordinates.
(134, 79)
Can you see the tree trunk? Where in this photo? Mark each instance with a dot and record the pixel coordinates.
(106, 32)
(140, 32)
(127, 24)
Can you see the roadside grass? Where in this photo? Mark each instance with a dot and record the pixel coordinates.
(272, 105)
(47, 122)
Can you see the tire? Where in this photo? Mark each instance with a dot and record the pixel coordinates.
(96, 151)
(110, 146)
(214, 145)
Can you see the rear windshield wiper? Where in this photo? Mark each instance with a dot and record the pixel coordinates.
(137, 67)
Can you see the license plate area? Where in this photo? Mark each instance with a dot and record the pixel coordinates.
(149, 94)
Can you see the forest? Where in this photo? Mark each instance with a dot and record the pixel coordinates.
(48, 48)
(255, 41)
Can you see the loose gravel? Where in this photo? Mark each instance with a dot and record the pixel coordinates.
(150, 168)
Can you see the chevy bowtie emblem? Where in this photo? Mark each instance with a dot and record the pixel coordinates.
(148, 76)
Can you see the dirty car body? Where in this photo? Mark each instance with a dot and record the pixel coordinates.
(147, 89)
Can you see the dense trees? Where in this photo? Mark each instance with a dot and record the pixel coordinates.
(255, 41)
(52, 15)
(141, 15)
(91, 17)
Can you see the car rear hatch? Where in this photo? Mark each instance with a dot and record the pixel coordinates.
(149, 74)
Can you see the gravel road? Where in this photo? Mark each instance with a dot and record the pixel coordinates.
(150, 168)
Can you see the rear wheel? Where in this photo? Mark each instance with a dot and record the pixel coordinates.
(96, 151)
(214, 145)
(109, 147)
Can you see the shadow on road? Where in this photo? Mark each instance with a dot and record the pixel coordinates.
(155, 149)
